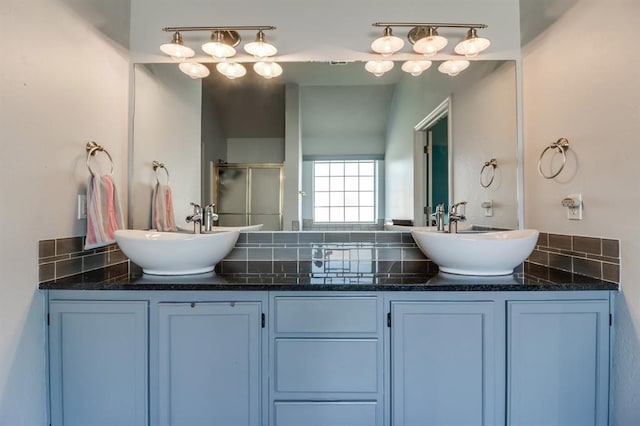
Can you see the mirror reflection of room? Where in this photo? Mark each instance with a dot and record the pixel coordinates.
(322, 124)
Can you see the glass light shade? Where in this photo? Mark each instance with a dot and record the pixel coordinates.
(267, 69)
(218, 50)
(176, 49)
(472, 44)
(388, 44)
(194, 69)
(453, 67)
(430, 45)
(231, 70)
(415, 68)
(378, 68)
(260, 48)
(217, 47)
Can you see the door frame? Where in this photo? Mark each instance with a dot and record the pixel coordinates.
(420, 162)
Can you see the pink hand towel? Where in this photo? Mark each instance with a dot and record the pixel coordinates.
(162, 218)
(104, 214)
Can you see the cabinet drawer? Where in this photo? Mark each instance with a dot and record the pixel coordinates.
(326, 365)
(326, 315)
(348, 413)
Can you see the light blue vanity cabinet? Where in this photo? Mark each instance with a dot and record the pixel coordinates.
(98, 362)
(446, 363)
(209, 363)
(558, 362)
(326, 359)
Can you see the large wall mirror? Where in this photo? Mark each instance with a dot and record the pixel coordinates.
(393, 146)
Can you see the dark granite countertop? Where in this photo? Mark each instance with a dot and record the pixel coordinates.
(527, 279)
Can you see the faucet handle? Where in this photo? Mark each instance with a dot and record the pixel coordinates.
(196, 207)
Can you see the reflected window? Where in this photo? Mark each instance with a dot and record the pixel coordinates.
(344, 191)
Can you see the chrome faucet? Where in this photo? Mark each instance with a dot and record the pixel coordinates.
(210, 216)
(456, 214)
(196, 218)
(440, 218)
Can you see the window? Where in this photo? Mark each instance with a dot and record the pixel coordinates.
(344, 191)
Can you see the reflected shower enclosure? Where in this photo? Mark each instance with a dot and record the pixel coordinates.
(248, 194)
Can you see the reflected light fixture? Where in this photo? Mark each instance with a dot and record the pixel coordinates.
(194, 69)
(176, 48)
(378, 68)
(260, 48)
(231, 70)
(415, 68)
(453, 68)
(222, 44)
(427, 41)
(388, 44)
(472, 44)
(267, 69)
(221, 47)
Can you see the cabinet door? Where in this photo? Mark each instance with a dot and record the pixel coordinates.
(209, 364)
(98, 363)
(443, 364)
(558, 363)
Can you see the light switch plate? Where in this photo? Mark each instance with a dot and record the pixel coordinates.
(82, 206)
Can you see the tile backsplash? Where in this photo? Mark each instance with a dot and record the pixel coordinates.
(63, 257)
(590, 256)
(325, 254)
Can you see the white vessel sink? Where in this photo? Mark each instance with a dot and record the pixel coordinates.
(490, 253)
(175, 253)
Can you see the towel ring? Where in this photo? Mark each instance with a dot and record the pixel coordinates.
(158, 165)
(562, 145)
(493, 163)
(92, 148)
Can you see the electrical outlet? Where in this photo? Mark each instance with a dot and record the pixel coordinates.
(574, 207)
(488, 208)
(82, 206)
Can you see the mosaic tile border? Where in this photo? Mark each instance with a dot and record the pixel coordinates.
(590, 256)
(64, 257)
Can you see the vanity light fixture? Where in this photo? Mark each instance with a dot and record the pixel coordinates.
(472, 44)
(231, 70)
(427, 42)
(194, 69)
(176, 48)
(267, 69)
(388, 44)
(221, 47)
(378, 68)
(453, 68)
(415, 68)
(260, 48)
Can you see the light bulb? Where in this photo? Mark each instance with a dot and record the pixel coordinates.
(388, 44)
(176, 49)
(231, 70)
(194, 69)
(453, 68)
(260, 48)
(267, 69)
(378, 68)
(415, 68)
(217, 47)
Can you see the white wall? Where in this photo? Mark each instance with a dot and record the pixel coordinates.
(581, 82)
(54, 100)
(166, 128)
(321, 31)
(484, 127)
